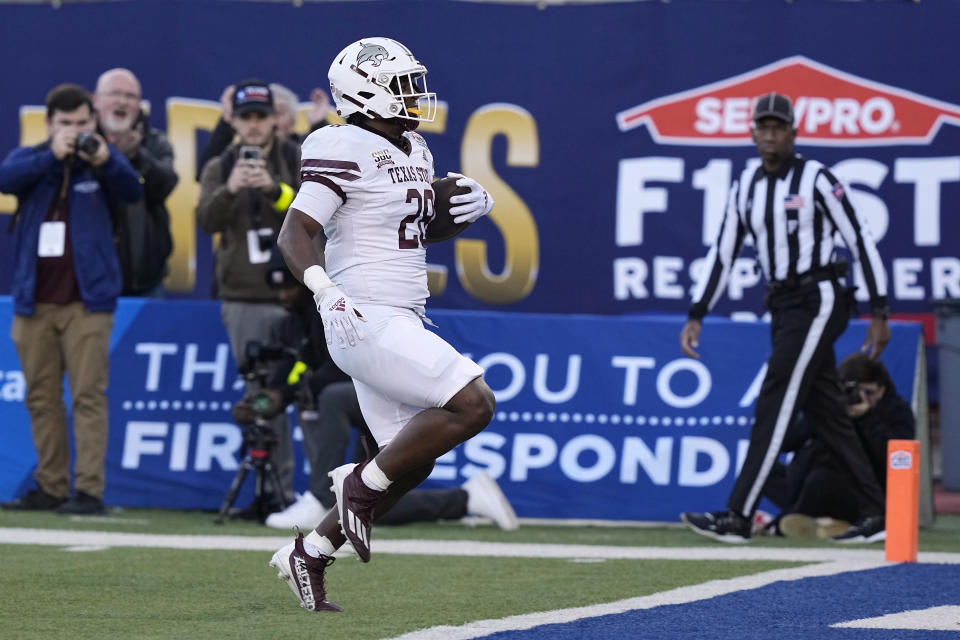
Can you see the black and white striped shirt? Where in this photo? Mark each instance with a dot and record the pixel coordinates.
(791, 216)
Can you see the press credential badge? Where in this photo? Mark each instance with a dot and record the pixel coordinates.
(53, 236)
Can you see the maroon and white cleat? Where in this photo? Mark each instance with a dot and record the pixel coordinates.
(355, 503)
(304, 574)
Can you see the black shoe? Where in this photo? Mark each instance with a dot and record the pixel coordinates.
(725, 526)
(34, 500)
(83, 504)
(868, 529)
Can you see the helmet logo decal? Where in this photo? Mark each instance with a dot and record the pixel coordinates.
(373, 53)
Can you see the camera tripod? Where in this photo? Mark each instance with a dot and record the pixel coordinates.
(258, 439)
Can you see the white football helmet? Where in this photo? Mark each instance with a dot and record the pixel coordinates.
(380, 78)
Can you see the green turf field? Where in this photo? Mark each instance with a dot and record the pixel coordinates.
(55, 591)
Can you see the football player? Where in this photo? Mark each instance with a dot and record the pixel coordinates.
(366, 187)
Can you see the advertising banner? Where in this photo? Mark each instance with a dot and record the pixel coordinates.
(597, 417)
(607, 133)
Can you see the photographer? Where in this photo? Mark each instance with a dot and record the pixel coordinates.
(815, 485)
(142, 229)
(66, 280)
(286, 106)
(244, 195)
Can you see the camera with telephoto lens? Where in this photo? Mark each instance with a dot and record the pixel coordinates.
(256, 369)
(87, 143)
(259, 363)
(257, 358)
(851, 392)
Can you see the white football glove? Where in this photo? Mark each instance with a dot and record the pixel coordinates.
(470, 206)
(341, 319)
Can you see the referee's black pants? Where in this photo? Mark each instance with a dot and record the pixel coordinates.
(801, 374)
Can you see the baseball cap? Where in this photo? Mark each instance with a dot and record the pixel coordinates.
(252, 95)
(773, 105)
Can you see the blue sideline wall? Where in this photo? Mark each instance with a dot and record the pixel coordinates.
(597, 417)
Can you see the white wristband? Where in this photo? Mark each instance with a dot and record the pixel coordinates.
(316, 278)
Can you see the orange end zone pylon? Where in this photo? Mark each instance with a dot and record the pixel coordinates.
(903, 500)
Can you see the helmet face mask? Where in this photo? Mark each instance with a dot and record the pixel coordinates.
(380, 78)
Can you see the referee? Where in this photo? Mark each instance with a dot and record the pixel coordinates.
(790, 207)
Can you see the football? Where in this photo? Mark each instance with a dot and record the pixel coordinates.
(442, 227)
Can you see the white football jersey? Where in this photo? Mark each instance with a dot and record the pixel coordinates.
(376, 250)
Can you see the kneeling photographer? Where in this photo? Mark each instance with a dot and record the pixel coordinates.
(815, 485)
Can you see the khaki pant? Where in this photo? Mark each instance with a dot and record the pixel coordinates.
(69, 338)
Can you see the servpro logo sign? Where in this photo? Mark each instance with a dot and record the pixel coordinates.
(832, 108)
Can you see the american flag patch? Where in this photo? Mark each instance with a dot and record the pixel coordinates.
(793, 202)
(838, 191)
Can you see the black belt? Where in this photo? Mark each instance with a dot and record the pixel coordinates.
(832, 271)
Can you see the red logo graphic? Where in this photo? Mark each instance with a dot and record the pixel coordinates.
(831, 107)
(339, 305)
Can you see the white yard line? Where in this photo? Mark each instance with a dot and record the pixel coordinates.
(943, 618)
(73, 538)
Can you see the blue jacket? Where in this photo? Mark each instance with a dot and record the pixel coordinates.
(34, 175)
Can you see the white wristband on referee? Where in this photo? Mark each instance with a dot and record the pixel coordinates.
(316, 278)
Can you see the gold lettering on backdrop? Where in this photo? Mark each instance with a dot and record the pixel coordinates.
(436, 278)
(436, 273)
(439, 124)
(33, 125)
(511, 215)
(184, 118)
(33, 130)
(302, 126)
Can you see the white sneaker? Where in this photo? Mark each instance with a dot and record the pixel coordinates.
(306, 513)
(798, 525)
(484, 498)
